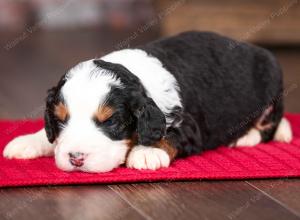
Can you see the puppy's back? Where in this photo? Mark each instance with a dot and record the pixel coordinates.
(225, 84)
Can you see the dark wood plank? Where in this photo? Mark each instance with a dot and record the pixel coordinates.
(204, 200)
(284, 191)
(84, 202)
(289, 60)
(254, 21)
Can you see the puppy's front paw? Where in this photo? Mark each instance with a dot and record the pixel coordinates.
(24, 147)
(141, 157)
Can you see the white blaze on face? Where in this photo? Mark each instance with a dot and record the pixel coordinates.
(85, 89)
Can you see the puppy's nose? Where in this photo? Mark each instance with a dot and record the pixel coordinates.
(76, 158)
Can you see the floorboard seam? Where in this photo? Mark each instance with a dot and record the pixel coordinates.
(134, 207)
(275, 200)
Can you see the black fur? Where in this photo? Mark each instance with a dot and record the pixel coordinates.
(224, 89)
(187, 138)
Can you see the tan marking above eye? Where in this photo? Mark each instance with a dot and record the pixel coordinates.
(61, 111)
(104, 113)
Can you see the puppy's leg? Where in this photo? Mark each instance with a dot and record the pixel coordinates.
(151, 157)
(29, 146)
(270, 125)
(252, 138)
(284, 131)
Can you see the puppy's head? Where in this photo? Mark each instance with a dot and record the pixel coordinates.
(96, 113)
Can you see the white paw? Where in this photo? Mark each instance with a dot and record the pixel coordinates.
(141, 157)
(251, 139)
(284, 131)
(26, 147)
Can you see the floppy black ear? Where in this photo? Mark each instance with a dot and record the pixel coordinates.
(151, 122)
(50, 126)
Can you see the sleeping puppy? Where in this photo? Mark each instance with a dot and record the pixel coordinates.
(170, 98)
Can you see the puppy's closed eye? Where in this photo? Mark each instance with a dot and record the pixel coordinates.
(104, 115)
(109, 122)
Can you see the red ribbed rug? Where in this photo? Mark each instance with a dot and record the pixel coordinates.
(272, 160)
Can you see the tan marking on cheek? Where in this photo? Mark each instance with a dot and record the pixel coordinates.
(104, 113)
(61, 111)
(166, 146)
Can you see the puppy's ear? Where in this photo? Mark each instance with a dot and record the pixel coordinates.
(50, 124)
(49, 128)
(151, 122)
(49, 118)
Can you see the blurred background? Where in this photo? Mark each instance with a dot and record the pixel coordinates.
(41, 39)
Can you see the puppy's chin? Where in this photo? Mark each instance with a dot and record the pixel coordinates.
(95, 162)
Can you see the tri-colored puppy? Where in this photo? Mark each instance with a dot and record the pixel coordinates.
(146, 106)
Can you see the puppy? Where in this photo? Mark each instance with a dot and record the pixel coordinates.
(170, 98)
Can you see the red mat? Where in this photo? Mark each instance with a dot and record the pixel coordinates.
(273, 160)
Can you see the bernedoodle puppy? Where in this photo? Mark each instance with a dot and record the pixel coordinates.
(148, 105)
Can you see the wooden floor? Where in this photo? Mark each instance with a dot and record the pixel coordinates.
(36, 63)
